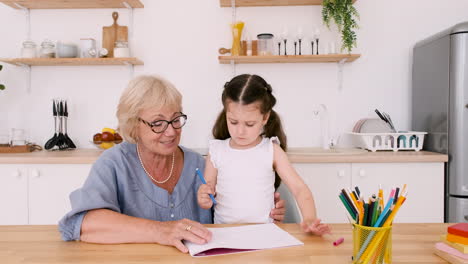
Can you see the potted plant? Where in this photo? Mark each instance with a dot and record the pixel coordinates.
(2, 87)
(343, 13)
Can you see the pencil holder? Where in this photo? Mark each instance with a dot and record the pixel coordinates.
(372, 245)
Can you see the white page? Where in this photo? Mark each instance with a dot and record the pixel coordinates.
(252, 237)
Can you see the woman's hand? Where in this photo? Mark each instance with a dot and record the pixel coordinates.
(203, 196)
(315, 227)
(279, 211)
(173, 232)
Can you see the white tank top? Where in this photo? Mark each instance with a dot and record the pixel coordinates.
(245, 182)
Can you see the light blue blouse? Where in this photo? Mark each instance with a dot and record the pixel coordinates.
(118, 182)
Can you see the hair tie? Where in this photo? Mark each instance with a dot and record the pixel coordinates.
(226, 85)
(268, 88)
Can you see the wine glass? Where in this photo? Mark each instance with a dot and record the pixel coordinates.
(284, 36)
(317, 36)
(299, 36)
(278, 40)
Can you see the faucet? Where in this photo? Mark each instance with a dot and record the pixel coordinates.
(322, 112)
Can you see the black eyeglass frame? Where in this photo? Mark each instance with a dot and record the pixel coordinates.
(153, 124)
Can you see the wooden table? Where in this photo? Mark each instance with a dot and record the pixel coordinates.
(412, 243)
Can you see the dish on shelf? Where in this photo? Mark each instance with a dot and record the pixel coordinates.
(107, 138)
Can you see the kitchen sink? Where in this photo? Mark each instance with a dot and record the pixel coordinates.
(321, 151)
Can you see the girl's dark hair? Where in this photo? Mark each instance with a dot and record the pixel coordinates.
(246, 89)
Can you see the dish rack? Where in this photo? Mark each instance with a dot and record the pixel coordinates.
(407, 140)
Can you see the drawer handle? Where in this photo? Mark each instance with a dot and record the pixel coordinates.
(16, 174)
(466, 217)
(35, 173)
(362, 173)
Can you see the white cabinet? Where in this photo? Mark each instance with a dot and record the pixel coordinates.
(13, 195)
(49, 188)
(39, 195)
(425, 181)
(325, 180)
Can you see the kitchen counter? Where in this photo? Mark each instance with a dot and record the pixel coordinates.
(412, 243)
(297, 155)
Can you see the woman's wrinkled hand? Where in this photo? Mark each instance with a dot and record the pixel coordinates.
(277, 213)
(173, 232)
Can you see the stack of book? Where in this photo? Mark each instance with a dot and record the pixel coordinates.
(454, 245)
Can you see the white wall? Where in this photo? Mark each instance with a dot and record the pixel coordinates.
(179, 40)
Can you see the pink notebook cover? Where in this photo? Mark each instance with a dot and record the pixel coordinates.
(446, 248)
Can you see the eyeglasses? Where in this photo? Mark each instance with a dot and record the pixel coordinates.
(160, 126)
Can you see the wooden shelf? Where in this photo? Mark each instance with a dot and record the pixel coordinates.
(227, 3)
(289, 58)
(73, 61)
(71, 4)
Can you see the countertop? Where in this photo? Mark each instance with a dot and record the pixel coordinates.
(412, 243)
(297, 155)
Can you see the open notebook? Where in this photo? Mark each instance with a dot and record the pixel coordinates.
(229, 240)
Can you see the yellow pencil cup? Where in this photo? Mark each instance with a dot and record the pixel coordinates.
(372, 245)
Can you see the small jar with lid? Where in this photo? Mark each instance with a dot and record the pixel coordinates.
(265, 44)
(29, 49)
(121, 49)
(47, 49)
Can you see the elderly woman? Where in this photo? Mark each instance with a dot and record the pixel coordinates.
(144, 190)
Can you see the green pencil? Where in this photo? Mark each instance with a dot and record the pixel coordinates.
(345, 203)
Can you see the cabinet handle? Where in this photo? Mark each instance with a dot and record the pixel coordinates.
(16, 174)
(341, 173)
(466, 217)
(35, 173)
(362, 173)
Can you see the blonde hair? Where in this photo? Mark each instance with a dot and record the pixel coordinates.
(144, 92)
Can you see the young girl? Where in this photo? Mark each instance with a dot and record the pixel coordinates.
(248, 149)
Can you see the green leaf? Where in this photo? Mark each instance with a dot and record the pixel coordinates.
(344, 14)
(2, 87)
(1, 67)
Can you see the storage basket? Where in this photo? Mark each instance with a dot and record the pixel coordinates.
(372, 244)
(408, 140)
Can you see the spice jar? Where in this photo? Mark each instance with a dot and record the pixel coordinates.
(47, 49)
(29, 49)
(121, 49)
(265, 44)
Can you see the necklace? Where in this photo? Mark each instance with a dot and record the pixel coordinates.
(147, 173)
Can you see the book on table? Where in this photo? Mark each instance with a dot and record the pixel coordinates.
(229, 240)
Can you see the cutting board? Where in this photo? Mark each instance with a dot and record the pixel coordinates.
(113, 33)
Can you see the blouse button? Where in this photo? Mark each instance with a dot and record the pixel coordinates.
(172, 205)
(172, 215)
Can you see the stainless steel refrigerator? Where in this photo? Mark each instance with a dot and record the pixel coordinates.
(440, 107)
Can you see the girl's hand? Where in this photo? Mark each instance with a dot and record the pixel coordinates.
(315, 227)
(172, 233)
(204, 200)
(279, 211)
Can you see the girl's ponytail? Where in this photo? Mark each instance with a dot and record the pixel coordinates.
(220, 129)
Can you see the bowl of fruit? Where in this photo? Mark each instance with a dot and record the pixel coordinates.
(107, 138)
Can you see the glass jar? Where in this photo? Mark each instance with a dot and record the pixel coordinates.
(265, 44)
(47, 49)
(29, 49)
(121, 49)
